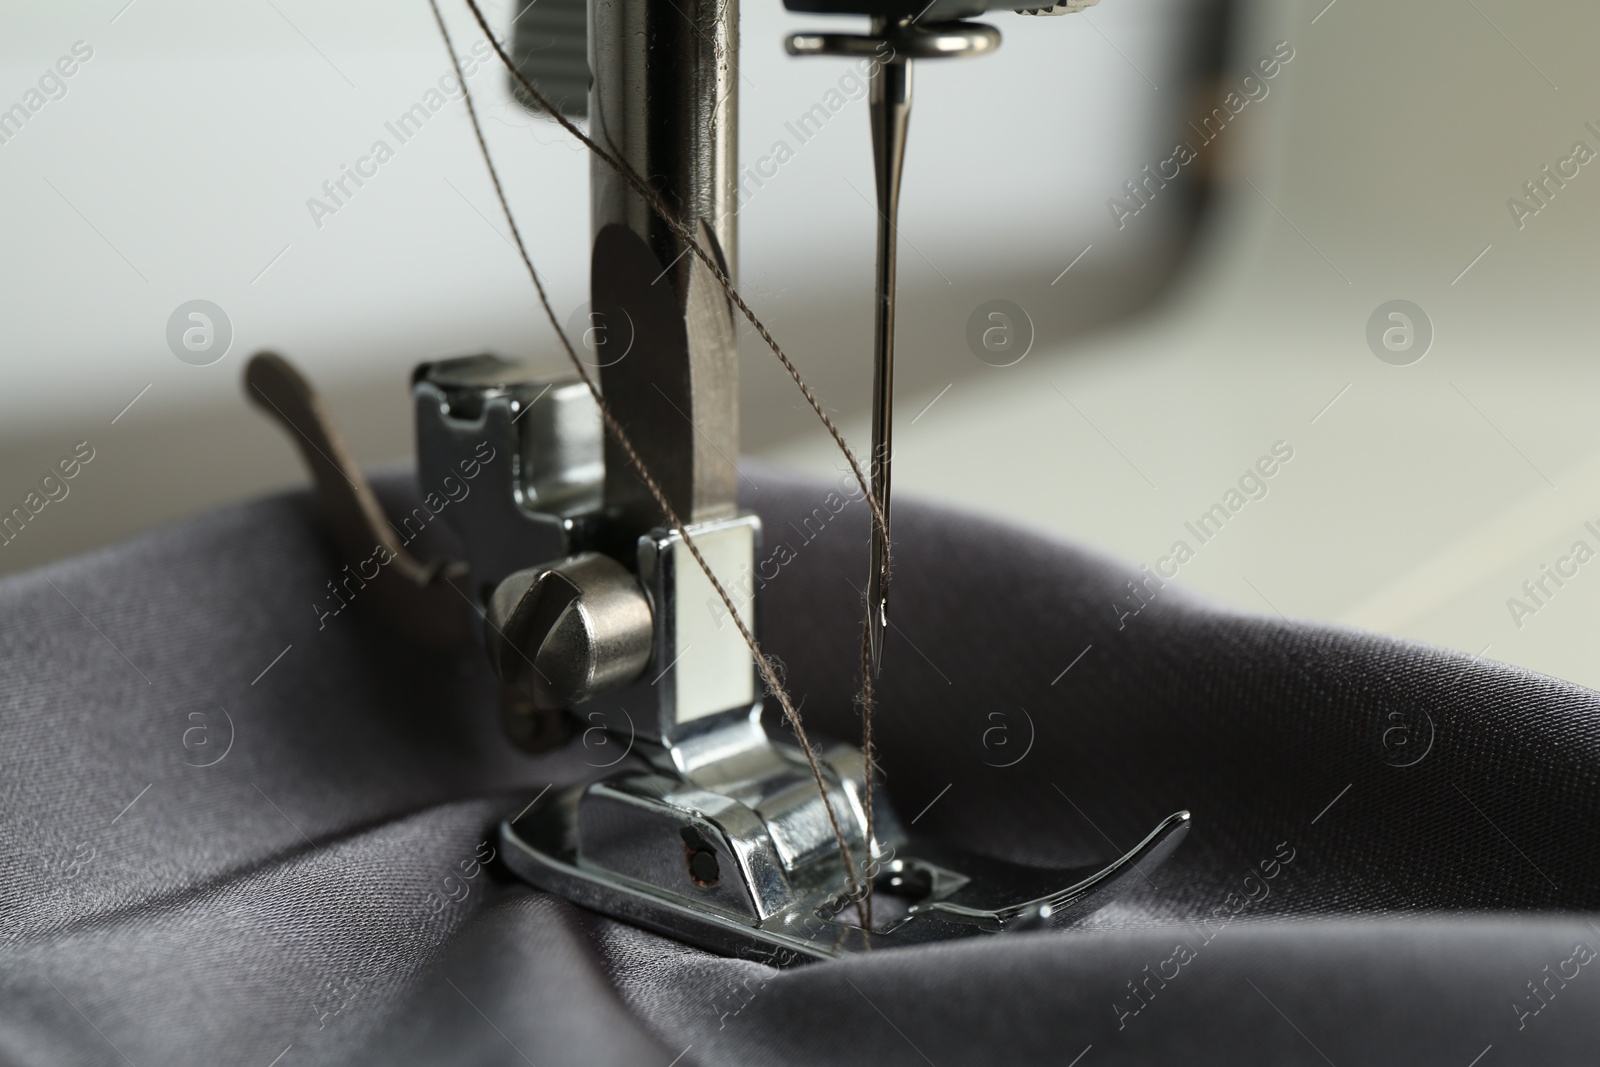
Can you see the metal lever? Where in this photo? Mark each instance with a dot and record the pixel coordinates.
(421, 602)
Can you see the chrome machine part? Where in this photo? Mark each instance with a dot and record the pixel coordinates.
(521, 451)
(569, 630)
(702, 826)
(894, 43)
(663, 101)
(890, 111)
(932, 41)
(678, 885)
(1070, 7)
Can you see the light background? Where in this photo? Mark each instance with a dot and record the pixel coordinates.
(1378, 167)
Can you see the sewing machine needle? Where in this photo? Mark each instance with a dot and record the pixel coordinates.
(890, 112)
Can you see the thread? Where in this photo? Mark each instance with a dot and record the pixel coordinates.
(764, 663)
(868, 755)
(880, 526)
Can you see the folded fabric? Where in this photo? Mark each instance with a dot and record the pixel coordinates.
(240, 829)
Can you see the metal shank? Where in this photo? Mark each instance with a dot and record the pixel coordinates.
(664, 101)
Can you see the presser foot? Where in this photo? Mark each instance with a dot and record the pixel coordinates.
(709, 869)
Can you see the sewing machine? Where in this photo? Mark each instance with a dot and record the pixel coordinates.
(595, 605)
(241, 830)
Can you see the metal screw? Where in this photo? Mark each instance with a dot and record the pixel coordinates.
(704, 870)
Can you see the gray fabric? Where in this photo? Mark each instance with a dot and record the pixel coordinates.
(290, 900)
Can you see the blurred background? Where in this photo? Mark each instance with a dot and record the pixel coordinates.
(1168, 338)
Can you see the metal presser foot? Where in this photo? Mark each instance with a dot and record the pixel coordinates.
(700, 826)
(703, 827)
(729, 889)
(593, 607)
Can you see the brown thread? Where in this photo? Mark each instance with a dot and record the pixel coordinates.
(665, 213)
(763, 662)
(868, 754)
